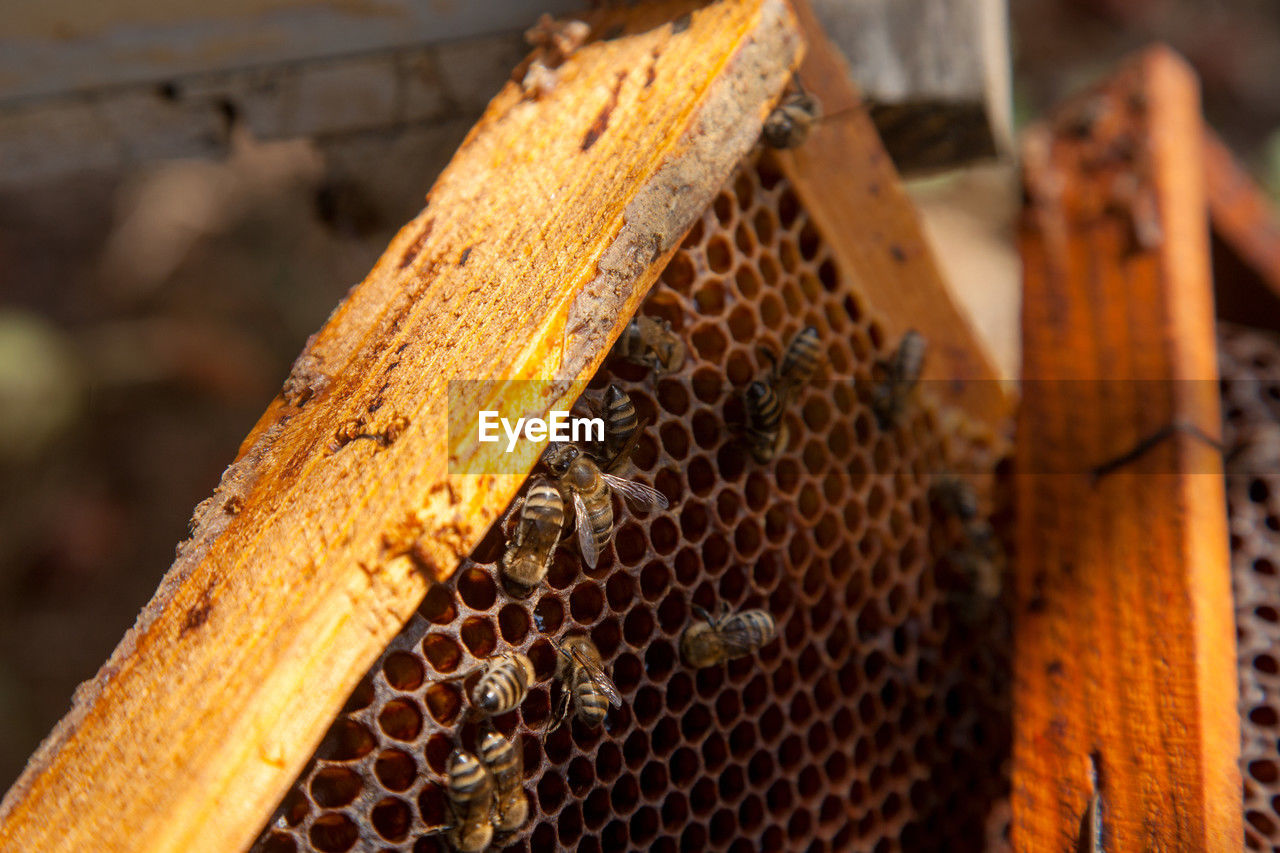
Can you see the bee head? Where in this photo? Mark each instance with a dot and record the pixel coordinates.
(559, 455)
(757, 391)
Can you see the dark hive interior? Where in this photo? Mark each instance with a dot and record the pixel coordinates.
(1250, 366)
(878, 718)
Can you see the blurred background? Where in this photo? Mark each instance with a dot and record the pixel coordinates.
(186, 194)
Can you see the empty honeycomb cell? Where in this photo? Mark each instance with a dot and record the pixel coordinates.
(476, 588)
(834, 538)
(569, 825)
(478, 636)
(723, 207)
(441, 652)
(645, 454)
(544, 657)
(443, 702)
(348, 740)
(703, 797)
(403, 671)
(334, 787)
(295, 808)
(361, 697)
(513, 622)
(739, 370)
(582, 778)
(395, 770)
(333, 832)
(391, 817)
(586, 603)
(624, 794)
(675, 439)
(278, 842)
(715, 752)
(564, 569)
(709, 299)
(659, 659)
(548, 615)
(719, 252)
(400, 719)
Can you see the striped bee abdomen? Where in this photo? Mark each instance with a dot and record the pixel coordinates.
(470, 790)
(764, 421)
(543, 507)
(504, 684)
(591, 704)
(747, 631)
(801, 358)
(620, 420)
(506, 766)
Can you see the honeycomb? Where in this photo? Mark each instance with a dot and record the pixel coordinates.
(879, 717)
(1249, 361)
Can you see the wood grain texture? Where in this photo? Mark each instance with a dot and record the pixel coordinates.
(1125, 678)
(850, 188)
(537, 243)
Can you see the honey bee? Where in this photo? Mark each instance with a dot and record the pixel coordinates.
(581, 670)
(712, 641)
(591, 489)
(504, 684)
(980, 561)
(506, 765)
(798, 363)
(789, 124)
(529, 553)
(955, 497)
(764, 401)
(766, 432)
(652, 343)
(470, 790)
(901, 374)
(621, 429)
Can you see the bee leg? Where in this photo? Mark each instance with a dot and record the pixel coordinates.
(704, 615)
(438, 830)
(462, 676)
(562, 710)
(765, 353)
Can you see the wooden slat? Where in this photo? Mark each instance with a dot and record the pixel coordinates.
(538, 242)
(1246, 244)
(936, 71)
(1124, 644)
(851, 190)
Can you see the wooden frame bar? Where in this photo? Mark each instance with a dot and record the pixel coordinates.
(345, 503)
(1125, 672)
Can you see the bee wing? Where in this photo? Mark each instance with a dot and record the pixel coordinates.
(640, 495)
(737, 640)
(623, 456)
(598, 677)
(582, 524)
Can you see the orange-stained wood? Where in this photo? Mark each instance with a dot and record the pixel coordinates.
(537, 243)
(1124, 681)
(852, 191)
(1246, 230)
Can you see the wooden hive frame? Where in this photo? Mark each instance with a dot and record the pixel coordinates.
(1125, 687)
(318, 544)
